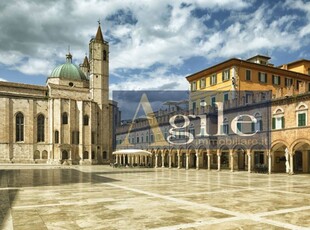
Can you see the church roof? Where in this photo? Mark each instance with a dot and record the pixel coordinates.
(86, 62)
(99, 36)
(68, 71)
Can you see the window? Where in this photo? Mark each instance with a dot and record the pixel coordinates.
(93, 136)
(194, 106)
(258, 125)
(308, 71)
(298, 83)
(104, 55)
(19, 127)
(288, 82)
(276, 80)
(248, 98)
(192, 131)
(225, 75)
(138, 140)
(248, 75)
(213, 98)
(262, 77)
(64, 118)
(203, 83)
(278, 122)
(225, 126)
(104, 155)
(278, 119)
(193, 86)
(85, 120)
(213, 79)
(225, 97)
(301, 119)
(152, 138)
(56, 137)
(40, 128)
(147, 138)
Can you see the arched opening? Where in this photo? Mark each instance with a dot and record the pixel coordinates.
(278, 155)
(36, 155)
(85, 155)
(65, 155)
(240, 152)
(44, 155)
(225, 157)
(301, 157)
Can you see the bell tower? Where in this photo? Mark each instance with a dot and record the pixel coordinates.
(99, 68)
(99, 91)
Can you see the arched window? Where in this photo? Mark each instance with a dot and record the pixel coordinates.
(56, 137)
(301, 114)
(19, 127)
(64, 118)
(258, 125)
(40, 128)
(225, 126)
(85, 120)
(278, 119)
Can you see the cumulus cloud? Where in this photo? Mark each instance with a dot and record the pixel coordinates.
(146, 34)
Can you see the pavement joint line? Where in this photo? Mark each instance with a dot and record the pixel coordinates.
(198, 223)
(282, 211)
(212, 192)
(253, 217)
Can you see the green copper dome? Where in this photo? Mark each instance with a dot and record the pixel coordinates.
(68, 71)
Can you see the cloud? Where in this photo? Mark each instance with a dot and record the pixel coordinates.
(146, 34)
(2, 79)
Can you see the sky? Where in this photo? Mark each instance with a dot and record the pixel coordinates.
(154, 44)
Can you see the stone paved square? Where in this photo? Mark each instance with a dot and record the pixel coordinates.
(102, 197)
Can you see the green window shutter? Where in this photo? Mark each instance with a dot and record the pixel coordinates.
(266, 77)
(273, 79)
(259, 78)
(223, 75)
(273, 123)
(253, 127)
(283, 124)
(301, 119)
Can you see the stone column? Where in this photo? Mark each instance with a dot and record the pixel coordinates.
(187, 160)
(179, 160)
(209, 160)
(116, 158)
(170, 159)
(292, 163)
(249, 160)
(163, 160)
(231, 160)
(197, 161)
(124, 159)
(156, 160)
(269, 161)
(218, 160)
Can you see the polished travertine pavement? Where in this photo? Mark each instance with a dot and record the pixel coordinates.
(101, 197)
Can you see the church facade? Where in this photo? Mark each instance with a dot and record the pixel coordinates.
(68, 121)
